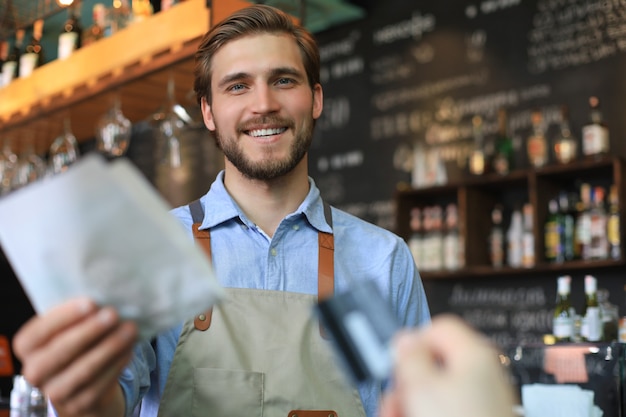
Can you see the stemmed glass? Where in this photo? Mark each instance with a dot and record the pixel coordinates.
(64, 149)
(30, 166)
(113, 131)
(168, 122)
(8, 162)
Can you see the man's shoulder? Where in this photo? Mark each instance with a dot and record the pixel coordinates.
(346, 222)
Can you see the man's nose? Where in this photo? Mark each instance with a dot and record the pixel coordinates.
(265, 100)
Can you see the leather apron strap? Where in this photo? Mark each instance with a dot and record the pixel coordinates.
(325, 271)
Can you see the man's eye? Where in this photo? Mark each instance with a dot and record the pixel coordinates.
(284, 81)
(236, 87)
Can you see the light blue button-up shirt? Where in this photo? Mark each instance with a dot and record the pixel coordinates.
(246, 257)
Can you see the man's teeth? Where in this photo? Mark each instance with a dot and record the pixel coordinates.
(267, 132)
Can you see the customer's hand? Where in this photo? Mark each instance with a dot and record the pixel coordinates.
(75, 353)
(447, 370)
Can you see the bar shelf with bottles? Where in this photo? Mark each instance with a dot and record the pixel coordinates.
(549, 216)
(81, 85)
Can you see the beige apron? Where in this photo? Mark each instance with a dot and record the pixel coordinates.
(259, 354)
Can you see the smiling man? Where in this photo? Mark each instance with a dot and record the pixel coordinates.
(275, 245)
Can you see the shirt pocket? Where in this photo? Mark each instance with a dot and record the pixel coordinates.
(225, 392)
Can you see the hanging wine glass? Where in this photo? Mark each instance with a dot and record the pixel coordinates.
(113, 131)
(30, 166)
(168, 123)
(8, 162)
(64, 149)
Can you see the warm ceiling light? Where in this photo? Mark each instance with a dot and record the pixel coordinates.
(65, 3)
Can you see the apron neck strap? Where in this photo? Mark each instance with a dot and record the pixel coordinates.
(326, 252)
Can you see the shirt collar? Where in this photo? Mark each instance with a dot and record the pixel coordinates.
(223, 208)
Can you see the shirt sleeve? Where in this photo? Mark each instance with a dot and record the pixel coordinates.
(408, 294)
(135, 379)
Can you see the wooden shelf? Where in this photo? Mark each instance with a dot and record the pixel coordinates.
(477, 195)
(549, 268)
(135, 63)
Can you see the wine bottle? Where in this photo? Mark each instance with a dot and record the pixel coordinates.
(613, 229)
(592, 325)
(562, 323)
(595, 132)
(478, 160)
(4, 54)
(496, 238)
(503, 161)
(33, 53)
(10, 69)
(97, 30)
(565, 149)
(70, 38)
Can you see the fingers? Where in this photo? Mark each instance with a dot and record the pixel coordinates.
(92, 384)
(40, 329)
(75, 353)
(67, 345)
(444, 337)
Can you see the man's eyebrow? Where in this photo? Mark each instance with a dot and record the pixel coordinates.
(232, 77)
(286, 71)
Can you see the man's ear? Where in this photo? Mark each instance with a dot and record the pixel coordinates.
(207, 116)
(318, 101)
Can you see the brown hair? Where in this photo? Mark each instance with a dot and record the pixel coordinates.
(256, 19)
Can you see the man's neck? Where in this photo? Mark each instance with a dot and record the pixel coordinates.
(266, 203)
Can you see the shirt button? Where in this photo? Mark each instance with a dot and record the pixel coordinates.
(273, 251)
(296, 227)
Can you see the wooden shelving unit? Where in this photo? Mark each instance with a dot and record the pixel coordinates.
(476, 197)
(135, 63)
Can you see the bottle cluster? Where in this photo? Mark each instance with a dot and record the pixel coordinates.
(436, 242)
(596, 321)
(583, 225)
(22, 54)
(501, 153)
(515, 246)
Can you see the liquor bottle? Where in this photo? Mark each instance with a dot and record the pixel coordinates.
(496, 238)
(565, 145)
(4, 54)
(96, 31)
(120, 16)
(528, 237)
(609, 315)
(33, 53)
(568, 225)
(536, 145)
(416, 239)
(435, 238)
(552, 234)
(583, 223)
(595, 132)
(453, 254)
(70, 38)
(591, 329)
(514, 237)
(11, 68)
(142, 9)
(478, 160)
(562, 324)
(598, 242)
(613, 232)
(503, 161)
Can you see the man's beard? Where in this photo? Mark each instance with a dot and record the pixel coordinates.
(268, 168)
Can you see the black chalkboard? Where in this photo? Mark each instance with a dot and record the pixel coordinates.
(413, 74)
